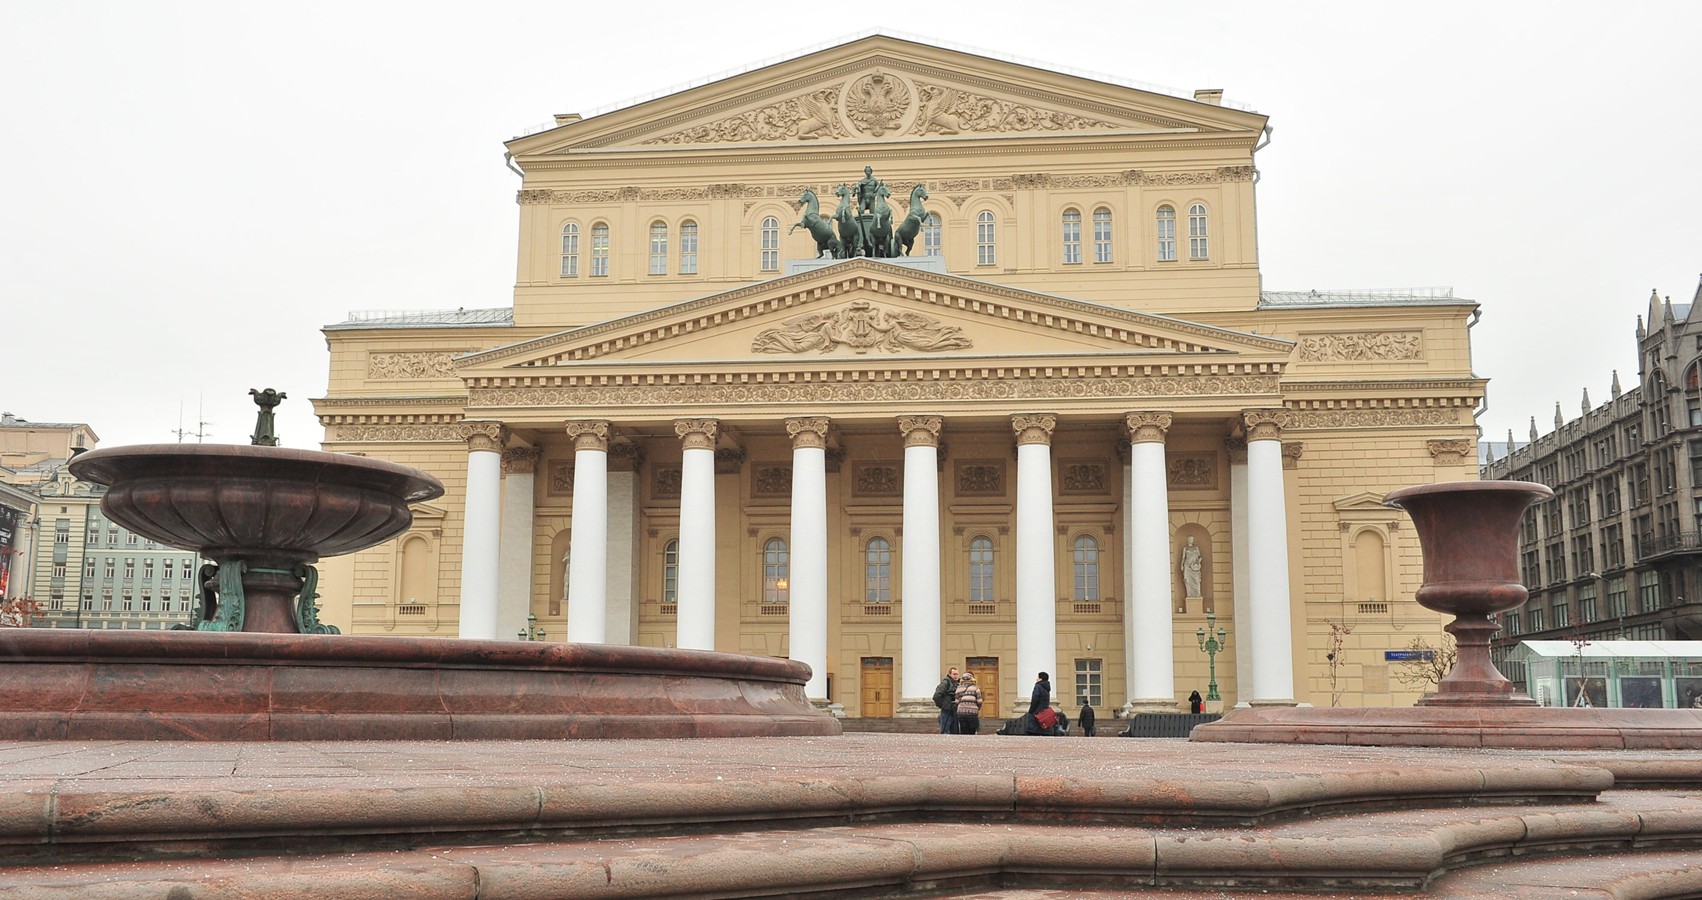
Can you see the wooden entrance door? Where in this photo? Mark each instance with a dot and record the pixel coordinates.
(877, 687)
(986, 669)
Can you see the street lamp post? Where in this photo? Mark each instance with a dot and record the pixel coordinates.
(532, 631)
(1211, 643)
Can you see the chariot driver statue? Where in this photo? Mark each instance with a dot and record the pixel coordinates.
(866, 190)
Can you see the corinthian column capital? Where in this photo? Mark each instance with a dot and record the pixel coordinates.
(1034, 428)
(588, 435)
(1266, 424)
(483, 435)
(810, 432)
(697, 434)
(1147, 427)
(920, 431)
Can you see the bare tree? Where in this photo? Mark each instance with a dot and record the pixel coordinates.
(1428, 665)
(1338, 632)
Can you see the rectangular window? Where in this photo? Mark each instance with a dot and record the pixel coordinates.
(88, 603)
(1561, 615)
(148, 569)
(58, 570)
(129, 603)
(147, 603)
(1586, 603)
(1089, 682)
(183, 603)
(129, 569)
(109, 567)
(62, 533)
(130, 538)
(89, 569)
(1535, 615)
(1648, 591)
(1616, 607)
(93, 535)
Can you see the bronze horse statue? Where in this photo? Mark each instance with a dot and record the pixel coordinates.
(880, 239)
(912, 225)
(851, 238)
(818, 227)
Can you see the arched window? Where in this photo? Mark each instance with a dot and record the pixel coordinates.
(1086, 557)
(1198, 246)
(1166, 234)
(416, 583)
(771, 244)
(570, 250)
(776, 572)
(981, 570)
(931, 235)
(877, 571)
(600, 250)
(688, 248)
(658, 248)
(986, 243)
(1102, 235)
(1370, 566)
(1072, 236)
(671, 572)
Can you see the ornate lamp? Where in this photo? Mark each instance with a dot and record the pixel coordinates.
(1210, 644)
(532, 632)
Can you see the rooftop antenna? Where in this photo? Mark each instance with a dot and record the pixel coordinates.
(182, 432)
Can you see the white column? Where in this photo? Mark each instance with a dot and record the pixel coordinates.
(1239, 632)
(1036, 553)
(588, 547)
(919, 629)
(1151, 653)
(696, 620)
(807, 622)
(621, 606)
(514, 558)
(481, 529)
(1267, 563)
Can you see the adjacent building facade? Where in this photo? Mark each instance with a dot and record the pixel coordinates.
(1059, 433)
(1617, 553)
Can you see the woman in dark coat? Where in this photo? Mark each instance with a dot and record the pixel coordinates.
(968, 705)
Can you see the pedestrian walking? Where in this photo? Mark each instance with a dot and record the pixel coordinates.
(968, 705)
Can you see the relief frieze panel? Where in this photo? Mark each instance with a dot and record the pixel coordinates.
(649, 395)
(804, 117)
(1191, 471)
(981, 478)
(1360, 346)
(394, 433)
(874, 479)
(1376, 418)
(1082, 476)
(769, 480)
(861, 327)
(948, 110)
(665, 482)
(560, 482)
(409, 365)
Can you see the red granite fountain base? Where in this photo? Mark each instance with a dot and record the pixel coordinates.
(1499, 726)
(156, 685)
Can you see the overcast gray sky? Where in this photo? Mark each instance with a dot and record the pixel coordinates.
(189, 191)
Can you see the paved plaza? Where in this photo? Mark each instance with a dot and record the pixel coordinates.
(852, 815)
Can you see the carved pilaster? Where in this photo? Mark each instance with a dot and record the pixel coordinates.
(625, 457)
(1449, 452)
(920, 431)
(588, 435)
(697, 434)
(728, 462)
(1147, 427)
(808, 432)
(1034, 428)
(1291, 453)
(1237, 448)
(520, 460)
(483, 435)
(1266, 424)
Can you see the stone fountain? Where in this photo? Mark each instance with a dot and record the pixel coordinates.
(1468, 532)
(258, 664)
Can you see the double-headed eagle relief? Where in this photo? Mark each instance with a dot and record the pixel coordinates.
(862, 224)
(862, 327)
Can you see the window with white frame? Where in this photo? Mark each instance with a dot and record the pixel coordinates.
(130, 538)
(109, 565)
(1166, 234)
(600, 250)
(688, 248)
(129, 569)
(93, 535)
(182, 602)
(147, 603)
(658, 248)
(986, 239)
(770, 244)
(1086, 557)
(981, 570)
(1090, 682)
(776, 572)
(877, 571)
(931, 235)
(570, 250)
(147, 568)
(1102, 235)
(89, 569)
(1072, 236)
(671, 572)
(1198, 245)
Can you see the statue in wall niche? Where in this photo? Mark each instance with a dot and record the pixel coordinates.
(1191, 560)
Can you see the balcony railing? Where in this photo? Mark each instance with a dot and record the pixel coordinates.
(1659, 545)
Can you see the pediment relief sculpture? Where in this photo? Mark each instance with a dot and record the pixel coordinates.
(862, 327)
(878, 104)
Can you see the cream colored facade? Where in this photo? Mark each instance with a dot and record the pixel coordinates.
(1087, 405)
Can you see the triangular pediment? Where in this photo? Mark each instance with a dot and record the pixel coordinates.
(1364, 501)
(882, 88)
(860, 312)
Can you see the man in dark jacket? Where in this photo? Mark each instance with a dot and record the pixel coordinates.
(1085, 718)
(1042, 696)
(945, 697)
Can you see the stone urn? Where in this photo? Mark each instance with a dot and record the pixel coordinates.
(1469, 532)
(262, 514)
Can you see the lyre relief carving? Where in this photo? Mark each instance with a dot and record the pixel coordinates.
(862, 327)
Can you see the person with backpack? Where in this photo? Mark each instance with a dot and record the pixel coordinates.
(968, 705)
(945, 697)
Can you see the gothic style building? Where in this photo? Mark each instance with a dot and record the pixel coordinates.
(1059, 433)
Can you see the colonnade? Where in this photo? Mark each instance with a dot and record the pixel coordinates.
(1259, 542)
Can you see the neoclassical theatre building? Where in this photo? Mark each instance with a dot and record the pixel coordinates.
(1009, 397)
